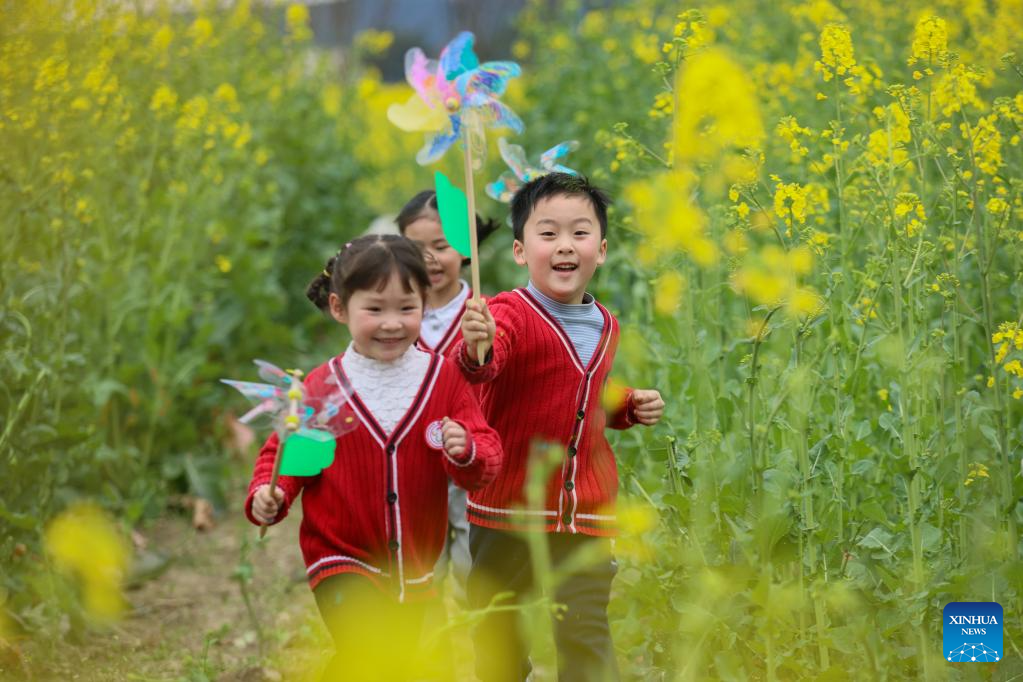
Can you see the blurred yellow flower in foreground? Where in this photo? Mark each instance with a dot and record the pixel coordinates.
(718, 107)
(771, 278)
(636, 519)
(613, 397)
(669, 288)
(666, 213)
(85, 543)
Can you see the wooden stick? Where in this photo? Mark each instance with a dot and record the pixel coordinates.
(273, 480)
(474, 265)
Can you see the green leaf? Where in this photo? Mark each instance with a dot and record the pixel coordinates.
(887, 422)
(992, 437)
(878, 538)
(872, 510)
(862, 429)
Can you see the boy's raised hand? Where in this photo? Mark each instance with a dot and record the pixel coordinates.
(454, 437)
(265, 506)
(478, 328)
(647, 406)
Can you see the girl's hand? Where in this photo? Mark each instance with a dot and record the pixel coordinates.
(647, 406)
(454, 438)
(478, 327)
(265, 506)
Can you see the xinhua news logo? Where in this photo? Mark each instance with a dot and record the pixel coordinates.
(972, 632)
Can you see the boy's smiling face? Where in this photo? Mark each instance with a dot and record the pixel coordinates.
(561, 246)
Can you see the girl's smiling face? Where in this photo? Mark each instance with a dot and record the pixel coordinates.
(443, 263)
(383, 323)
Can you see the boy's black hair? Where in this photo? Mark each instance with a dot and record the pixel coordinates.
(426, 202)
(557, 184)
(367, 263)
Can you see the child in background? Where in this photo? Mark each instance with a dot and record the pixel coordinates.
(445, 303)
(552, 350)
(374, 521)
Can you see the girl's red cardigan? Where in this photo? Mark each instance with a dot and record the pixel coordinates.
(381, 508)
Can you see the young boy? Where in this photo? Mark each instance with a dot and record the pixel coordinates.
(552, 350)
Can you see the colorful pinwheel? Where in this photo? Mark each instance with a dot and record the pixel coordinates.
(307, 427)
(504, 188)
(455, 96)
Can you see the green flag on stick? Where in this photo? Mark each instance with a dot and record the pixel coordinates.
(453, 207)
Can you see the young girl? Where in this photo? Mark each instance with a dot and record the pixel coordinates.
(374, 521)
(445, 303)
(445, 300)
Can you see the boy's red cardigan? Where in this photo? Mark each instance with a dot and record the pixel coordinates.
(380, 509)
(536, 390)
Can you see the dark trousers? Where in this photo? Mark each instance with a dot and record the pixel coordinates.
(375, 637)
(501, 563)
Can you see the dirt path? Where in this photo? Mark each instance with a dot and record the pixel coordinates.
(191, 623)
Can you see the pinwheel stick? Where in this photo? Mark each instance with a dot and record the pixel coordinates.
(273, 480)
(290, 426)
(474, 261)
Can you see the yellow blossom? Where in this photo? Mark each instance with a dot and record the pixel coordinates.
(836, 52)
(887, 145)
(790, 131)
(164, 99)
(296, 18)
(162, 39)
(223, 263)
(201, 31)
(987, 143)
(193, 113)
(997, 206)
(930, 40)
(957, 88)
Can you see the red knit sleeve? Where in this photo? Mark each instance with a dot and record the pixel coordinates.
(291, 485)
(481, 462)
(507, 320)
(624, 415)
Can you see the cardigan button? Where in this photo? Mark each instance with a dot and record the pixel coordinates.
(566, 519)
(580, 414)
(569, 485)
(390, 449)
(571, 451)
(393, 544)
(392, 497)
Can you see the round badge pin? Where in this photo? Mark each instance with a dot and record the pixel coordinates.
(435, 435)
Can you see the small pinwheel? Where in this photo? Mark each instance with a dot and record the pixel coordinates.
(504, 188)
(307, 427)
(455, 96)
